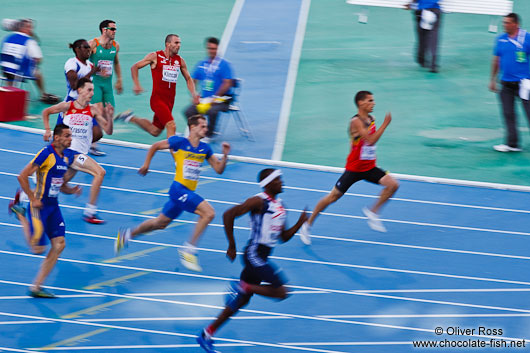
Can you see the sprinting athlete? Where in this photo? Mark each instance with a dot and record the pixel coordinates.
(268, 219)
(360, 165)
(189, 154)
(79, 115)
(104, 55)
(166, 66)
(44, 219)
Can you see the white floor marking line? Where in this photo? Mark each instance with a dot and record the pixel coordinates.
(254, 343)
(289, 187)
(435, 274)
(18, 350)
(230, 26)
(290, 82)
(351, 292)
(144, 346)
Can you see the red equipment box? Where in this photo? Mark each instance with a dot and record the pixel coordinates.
(12, 103)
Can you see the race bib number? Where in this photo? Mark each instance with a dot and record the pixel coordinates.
(368, 153)
(106, 67)
(55, 187)
(81, 159)
(192, 169)
(170, 73)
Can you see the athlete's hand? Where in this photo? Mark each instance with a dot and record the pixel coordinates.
(143, 170)
(303, 217)
(47, 135)
(231, 253)
(137, 89)
(226, 147)
(103, 72)
(118, 86)
(36, 204)
(388, 118)
(109, 111)
(77, 190)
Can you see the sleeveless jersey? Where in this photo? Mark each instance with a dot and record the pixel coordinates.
(267, 226)
(80, 122)
(165, 75)
(188, 160)
(104, 58)
(362, 155)
(50, 173)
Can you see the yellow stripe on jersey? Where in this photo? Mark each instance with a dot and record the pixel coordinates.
(42, 175)
(187, 167)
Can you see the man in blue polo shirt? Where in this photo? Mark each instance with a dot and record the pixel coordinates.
(217, 79)
(427, 27)
(511, 55)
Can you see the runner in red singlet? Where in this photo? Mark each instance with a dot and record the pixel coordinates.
(360, 165)
(166, 66)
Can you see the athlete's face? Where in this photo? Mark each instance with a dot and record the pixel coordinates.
(211, 49)
(86, 92)
(276, 185)
(200, 129)
(367, 104)
(64, 140)
(174, 45)
(83, 51)
(110, 31)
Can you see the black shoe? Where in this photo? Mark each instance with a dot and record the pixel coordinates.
(41, 293)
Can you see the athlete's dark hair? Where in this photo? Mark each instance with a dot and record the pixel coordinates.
(76, 44)
(82, 81)
(513, 16)
(194, 119)
(170, 36)
(360, 96)
(265, 173)
(58, 130)
(212, 40)
(105, 24)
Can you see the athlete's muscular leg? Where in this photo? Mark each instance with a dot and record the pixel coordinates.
(391, 185)
(324, 202)
(206, 214)
(160, 222)
(84, 163)
(146, 125)
(49, 262)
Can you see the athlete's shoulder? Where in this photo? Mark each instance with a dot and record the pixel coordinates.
(176, 142)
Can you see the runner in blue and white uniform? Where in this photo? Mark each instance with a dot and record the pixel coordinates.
(268, 219)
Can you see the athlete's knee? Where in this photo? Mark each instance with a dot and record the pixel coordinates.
(162, 223)
(58, 244)
(154, 131)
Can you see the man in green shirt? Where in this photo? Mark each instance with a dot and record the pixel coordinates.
(105, 56)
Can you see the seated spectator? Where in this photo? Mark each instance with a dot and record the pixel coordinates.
(216, 77)
(21, 55)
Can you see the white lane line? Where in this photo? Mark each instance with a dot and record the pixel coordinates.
(143, 346)
(285, 111)
(285, 187)
(254, 343)
(184, 318)
(348, 292)
(364, 267)
(59, 296)
(230, 26)
(25, 322)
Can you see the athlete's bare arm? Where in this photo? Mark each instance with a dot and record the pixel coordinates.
(54, 109)
(289, 233)
(160, 145)
(117, 67)
(358, 128)
(189, 82)
(253, 204)
(23, 180)
(219, 165)
(104, 116)
(150, 59)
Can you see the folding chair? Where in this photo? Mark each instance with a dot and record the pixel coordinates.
(235, 111)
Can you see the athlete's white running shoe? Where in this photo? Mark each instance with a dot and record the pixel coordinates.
(373, 220)
(305, 233)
